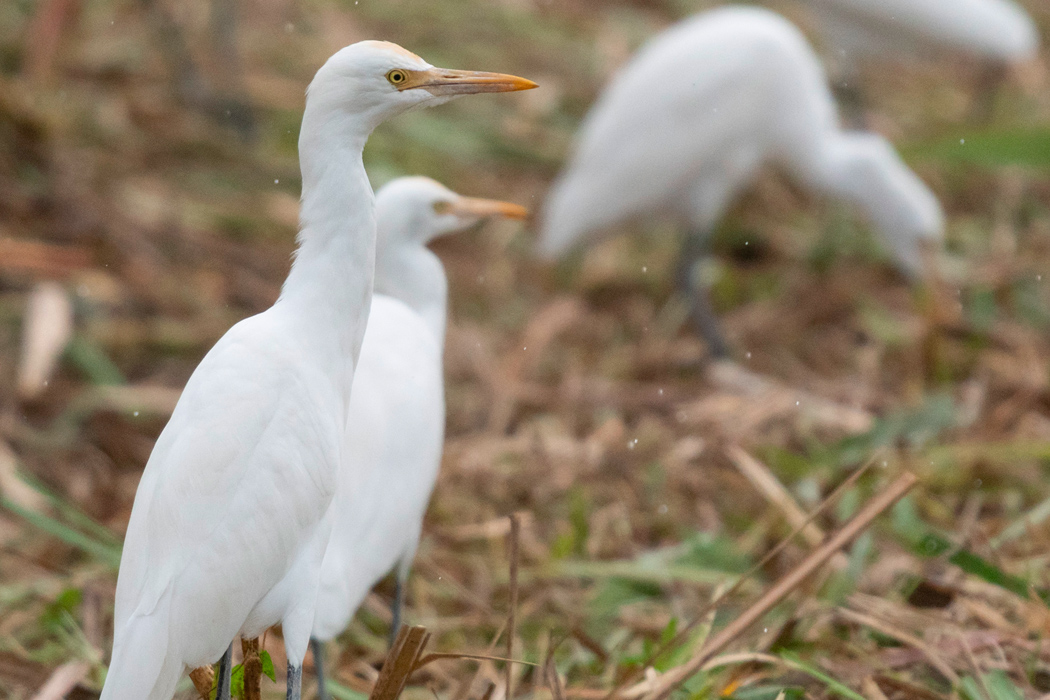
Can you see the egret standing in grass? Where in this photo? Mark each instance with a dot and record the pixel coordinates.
(396, 424)
(227, 533)
(693, 117)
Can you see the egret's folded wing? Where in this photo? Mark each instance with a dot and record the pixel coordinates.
(230, 468)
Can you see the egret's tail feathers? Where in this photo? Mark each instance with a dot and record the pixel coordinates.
(143, 667)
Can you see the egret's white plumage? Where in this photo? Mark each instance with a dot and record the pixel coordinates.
(396, 422)
(227, 532)
(995, 29)
(685, 126)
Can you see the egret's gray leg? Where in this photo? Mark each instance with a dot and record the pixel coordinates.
(850, 96)
(696, 293)
(318, 651)
(234, 108)
(190, 85)
(399, 603)
(222, 678)
(989, 84)
(295, 683)
(188, 81)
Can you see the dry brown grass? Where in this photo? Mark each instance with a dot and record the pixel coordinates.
(646, 480)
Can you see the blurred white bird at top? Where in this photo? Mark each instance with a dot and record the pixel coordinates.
(228, 530)
(396, 425)
(997, 33)
(691, 119)
(999, 30)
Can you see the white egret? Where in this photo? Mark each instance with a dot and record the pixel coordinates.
(685, 126)
(396, 424)
(995, 32)
(227, 532)
(999, 30)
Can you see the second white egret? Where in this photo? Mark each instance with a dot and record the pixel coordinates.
(396, 424)
(687, 124)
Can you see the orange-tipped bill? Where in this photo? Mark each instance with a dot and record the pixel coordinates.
(480, 208)
(441, 81)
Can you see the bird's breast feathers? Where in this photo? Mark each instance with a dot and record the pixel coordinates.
(245, 468)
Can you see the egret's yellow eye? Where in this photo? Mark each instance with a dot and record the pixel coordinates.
(442, 208)
(397, 77)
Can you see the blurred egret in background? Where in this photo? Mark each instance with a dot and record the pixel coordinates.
(687, 124)
(999, 30)
(229, 526)
(396, 424)
(996, 32)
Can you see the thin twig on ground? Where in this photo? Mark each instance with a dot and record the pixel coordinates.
(673, 678)
(515, 535)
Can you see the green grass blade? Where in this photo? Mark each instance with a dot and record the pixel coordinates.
(76, 517)
(833, 685)
(102, 551)
(341, 692)
(1029, 148)
(93, 362)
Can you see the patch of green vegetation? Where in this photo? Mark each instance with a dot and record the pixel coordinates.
(999, 147)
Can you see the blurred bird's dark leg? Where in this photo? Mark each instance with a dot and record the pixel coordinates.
(851, 99)
(317, 649)
(702, 313)
(295, 683)
(190, 86)
(989, 83)
(188, 82)
(236, 109)
(223, 678)
(399, 603)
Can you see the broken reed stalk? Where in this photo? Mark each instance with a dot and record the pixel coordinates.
(251, 669)
(553, 681)
(662, 686)
(682, 634)
(515, 534)
(400, 663)
(203, 678)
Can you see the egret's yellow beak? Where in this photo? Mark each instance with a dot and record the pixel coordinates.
(480, 208)
(441, 81)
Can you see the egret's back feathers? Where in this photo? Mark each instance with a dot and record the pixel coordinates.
(996, 29)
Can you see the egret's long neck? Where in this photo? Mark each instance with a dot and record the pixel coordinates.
(329, 288)
(414, 275)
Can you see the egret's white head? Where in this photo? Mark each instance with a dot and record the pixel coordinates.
(900, 206)
(411, 212)
(371, 81)
(418, 210)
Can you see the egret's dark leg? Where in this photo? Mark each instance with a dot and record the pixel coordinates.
(188, 82)
(989, 83)
(318, 651)
(399, 603)
(222, 678)
(233, 108)
(850, 96)
(697, 294)
(295, 683)
(191, 87)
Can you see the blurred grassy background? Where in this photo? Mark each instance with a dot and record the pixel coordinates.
(576, 395)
